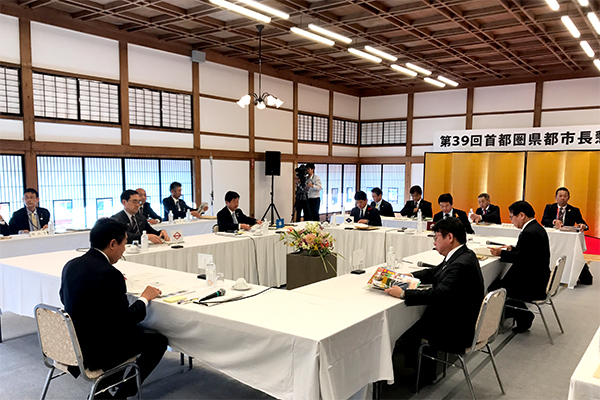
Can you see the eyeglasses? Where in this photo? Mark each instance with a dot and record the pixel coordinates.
(134, 201)
(436, 237)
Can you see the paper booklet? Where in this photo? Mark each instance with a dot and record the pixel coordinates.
(384, 278)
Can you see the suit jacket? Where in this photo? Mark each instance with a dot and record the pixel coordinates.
(94, 294)
(147, 211)
(528, 276)
(225, 220)
(492, 216)
(572, 217)
(143, 224)
(461, 215)
(169, 205)
(371, 214)
(385, 209)
(20, 220)
(5, 229)
(453, 302)
(424, 206)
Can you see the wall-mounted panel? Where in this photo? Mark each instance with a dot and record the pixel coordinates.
(313, 149)
(441, 103)
(282, 191)
(424, 129)
(391, 151)
(9, 45)
(159, 68)
(280, 88)
(418, 151)
(11, 129)
(274, 123)
(312, 99)
(223, 81)
(345, 106)
(345, 151)
(384, 107)
(142, 137)
(69, 51)
(224, 181)
(51, 132)
(223, 117)
(223, 143)
(520, 120)
(571, 117)
(571, 93)
(260, 146)
(504, 98)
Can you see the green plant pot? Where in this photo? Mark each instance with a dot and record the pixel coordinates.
(303, 270)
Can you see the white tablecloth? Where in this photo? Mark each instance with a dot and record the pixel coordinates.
(399, 222)
(349, 240)
(583, 385)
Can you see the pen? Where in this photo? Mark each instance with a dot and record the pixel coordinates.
(187, 301)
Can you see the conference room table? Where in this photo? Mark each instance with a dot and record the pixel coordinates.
(584, 385)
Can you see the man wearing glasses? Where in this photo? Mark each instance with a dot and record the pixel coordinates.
(135, 222)
(31, 217)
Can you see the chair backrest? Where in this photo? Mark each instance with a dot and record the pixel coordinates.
(489, 318)
(555, 276)
(215, 228)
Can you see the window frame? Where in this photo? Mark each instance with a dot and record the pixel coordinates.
(312, 128)
(20, 99)
(162, 112)
(384, 129)
(345, 130)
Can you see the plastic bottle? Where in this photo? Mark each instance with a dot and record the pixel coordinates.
(51, 227)
(144, 240)
(391, 258)
(471, 213)
(188, 215)
(419, 222)
(170, 217)
(211, 272)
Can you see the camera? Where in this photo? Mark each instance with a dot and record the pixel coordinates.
(302, 176)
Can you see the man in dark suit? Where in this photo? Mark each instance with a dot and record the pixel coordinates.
(31, 217)
(486, 212)
(363, 213)
(453, 301)
(136, 224)
(4, 228)
(417, 203)
(231, 218)
(561, 213)
(176, 204)
(146, 209)
(94, 294)
(528, 276)
(385, 209)
(445, 201)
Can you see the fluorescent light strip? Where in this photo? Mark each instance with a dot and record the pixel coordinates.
(434, 82)
(333, 35)
(587, 48)
(594, 20)
(597, 63)
(381, 54)
(242, 10)
(312, 36)
(553, 4)
(362, 54)
(418, 69)
(267, 9)
(570, 26)
(405, 71)
(447, 81)
(584, 3)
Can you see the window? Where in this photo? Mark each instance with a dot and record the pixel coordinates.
(103, 187)
(370, 177)
(321, 172)
(99, 101)
(383, 133)
(177, 171)
(345, 132)
(177, 110)
(144, 107)
(11, 190)
(339, 187)
(389, 178)
(158, 108)
(312, 128)
(145, 174)
(10, 99)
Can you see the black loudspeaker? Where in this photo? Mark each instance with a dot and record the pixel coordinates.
(273, 163)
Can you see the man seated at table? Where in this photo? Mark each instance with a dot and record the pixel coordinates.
(31, 217)
(94, 294)
(4, 228)
(561, 213)
(146, 209)
(363, 213)
(529, 273)
(412, 207)
(385, 209)
(136, 224)
(486, 212)
(176, 204)
(231, 218)
(447, 210)
(453, 301)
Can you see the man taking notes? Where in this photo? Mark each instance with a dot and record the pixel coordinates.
(412, 207)
(231, 218)
(31, 217)
(486, 212)
(561, 213)
(136, 224)
(363, 213)
(447, 210)
(385, 209)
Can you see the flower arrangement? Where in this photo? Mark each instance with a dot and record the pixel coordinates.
(311, 240)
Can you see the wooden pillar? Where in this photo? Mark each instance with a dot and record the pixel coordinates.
(409, 139)
(330, 151)
(537, 110)
(30, 157)
(196, 131)
(469, 118)
(124, 92)
(251, 146)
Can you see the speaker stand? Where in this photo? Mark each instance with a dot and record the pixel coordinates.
(272, 205)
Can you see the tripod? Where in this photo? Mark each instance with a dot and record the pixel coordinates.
(272, 206)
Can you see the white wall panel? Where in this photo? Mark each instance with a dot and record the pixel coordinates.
(571, 93)
(424, 129)
(51, 132)
(223, 117)
(9, 45)
(521, 120)
(159, 68)
(223, 81)
(142, 137)
(11, 129)
(383, 107)
(313, 149)
(504, 98)
(418, 151)
(573, 117)
(224, 181)
(261, 146)
(345, 151)
(274, 123)
(416, 174)
(345, 106)
(312, 99)
(441, 103)
(280, 88)
(392, 151)
(282, 191)
(69, 51)
(223, 143)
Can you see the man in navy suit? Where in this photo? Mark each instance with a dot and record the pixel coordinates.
(486, 212)
(385, 208)
(447, 210)
(561, 213)
(146, 209)
(31, 217)
(412, 207)
(363, 213)
(176, 204)
(136, 224)
(231, 218)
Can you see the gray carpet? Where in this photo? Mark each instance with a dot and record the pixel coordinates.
(530, 367)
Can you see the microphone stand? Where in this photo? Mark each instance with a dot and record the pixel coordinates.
(212, 188)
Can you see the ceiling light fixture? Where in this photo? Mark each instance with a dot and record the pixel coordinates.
(364, 55)
(553, 4)
(570, 26)
(242, 10)
(587, 48)
(594, 20)
(267, 9)
(312, 36)
(381, 54)
(597, 63)
(447, 81)
(584, 3)
(261, 100)
(434, 82)
(418, 69)
(405, 71)
(326, 32)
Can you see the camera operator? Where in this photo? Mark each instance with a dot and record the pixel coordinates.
(301, 204)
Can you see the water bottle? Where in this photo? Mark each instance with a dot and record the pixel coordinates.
(211, 272)
(419, 222)
(391, 258)
(51, 227)
(188, 215)
(471, 213)
(170, 217)
(144, 241)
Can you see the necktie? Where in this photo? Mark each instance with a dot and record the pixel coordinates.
(34, 222)
(235, 221)
(446, 216)
(361, 214)
(134, 224)
(561, 213)
(485, 211)
(177, 203)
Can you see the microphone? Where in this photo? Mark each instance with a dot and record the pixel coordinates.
(218, 293)
(425, 265)
(494, 243)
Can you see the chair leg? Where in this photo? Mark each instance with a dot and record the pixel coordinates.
(445, 368)
(467, 376)
(556, 315)
(419, 357)
(545, 323)
(47, 384)
(491, 353)
(138, 381)
(93, 389)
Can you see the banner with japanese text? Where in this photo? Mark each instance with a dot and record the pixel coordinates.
(585, 137)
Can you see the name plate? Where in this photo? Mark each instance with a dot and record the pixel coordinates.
(176, 237)
(38, 233)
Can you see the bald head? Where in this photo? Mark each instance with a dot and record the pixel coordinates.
(142, 194)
